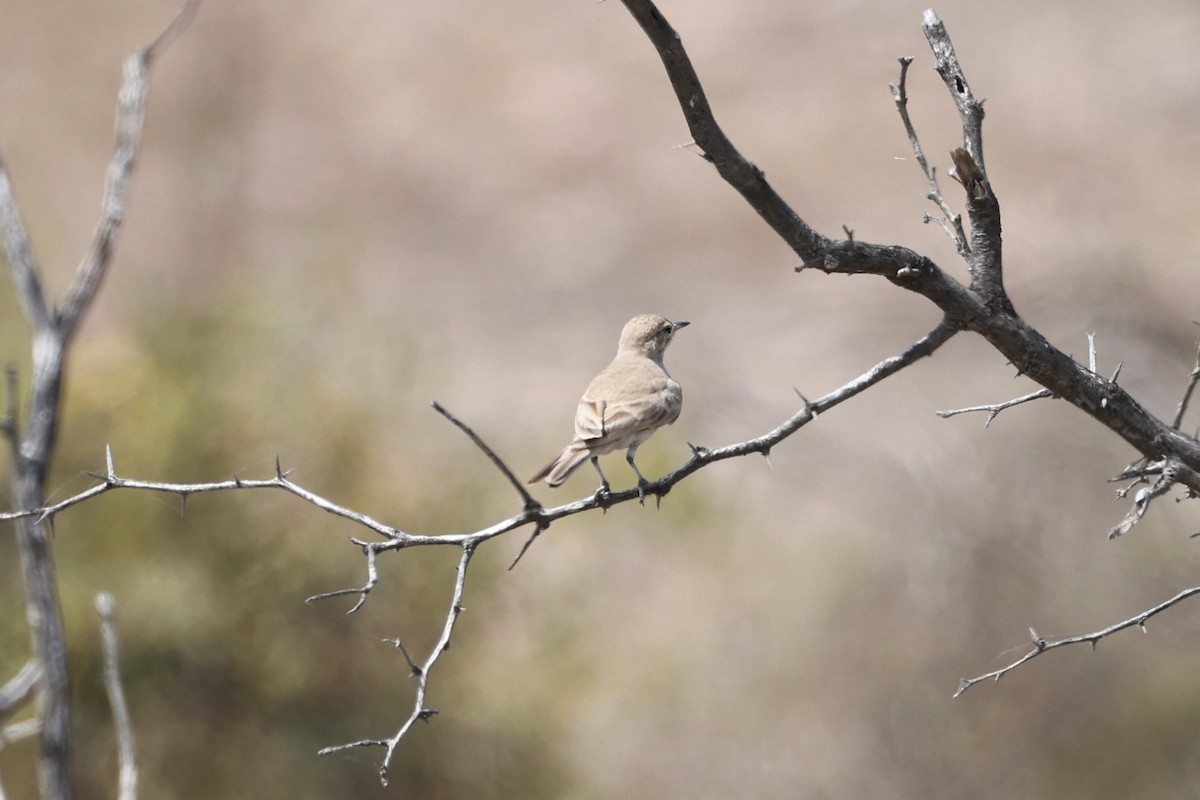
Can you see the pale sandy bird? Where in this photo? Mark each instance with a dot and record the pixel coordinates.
(628, 401)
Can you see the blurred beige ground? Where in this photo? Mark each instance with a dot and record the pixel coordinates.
(344, 211)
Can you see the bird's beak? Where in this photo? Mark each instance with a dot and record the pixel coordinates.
(675, 326)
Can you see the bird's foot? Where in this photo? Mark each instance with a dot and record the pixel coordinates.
(602, 495)
(642, 486)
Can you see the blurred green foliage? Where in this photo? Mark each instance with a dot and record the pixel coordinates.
(234, 682)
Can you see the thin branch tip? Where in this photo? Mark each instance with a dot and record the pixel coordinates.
(1041, 645)
(173, 29)
(527, 499)
(537, 531)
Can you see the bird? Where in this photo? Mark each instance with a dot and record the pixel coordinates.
(624, 404)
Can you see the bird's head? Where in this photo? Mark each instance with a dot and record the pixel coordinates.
(648, 335)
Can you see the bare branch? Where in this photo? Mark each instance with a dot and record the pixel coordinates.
(950, 221)
(762, 445)
(970, 110)
(371, 551)
(537, 531)
(14, 694)
(21, 261)
(131, 115)
(173, 30)
(994, 409)
(737, 170)
(983, 308)
(1144, 496)
(51, 336)
(1181, 409)
(1041, 645)
(397, 539)
(20, 688)
(986, 262)
(9, 426)
(526, 497)
(985, 259)
(126, 753)
(531, 514)
(421, 673)
(112, 481)
(18, 731)
(399, 645)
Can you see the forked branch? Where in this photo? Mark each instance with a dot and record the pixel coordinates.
(951, 221)
(51, 331)
(984, 307)
(532, 513)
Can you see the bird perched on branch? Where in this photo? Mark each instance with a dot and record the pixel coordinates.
(628, 401)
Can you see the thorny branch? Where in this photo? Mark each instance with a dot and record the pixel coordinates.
(994, 409)
(1041, 645)
(419, 711)
(983, 307)
(1168, 472)
(532, 512)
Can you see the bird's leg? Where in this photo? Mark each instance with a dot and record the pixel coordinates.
(642, 482)
(604, 488)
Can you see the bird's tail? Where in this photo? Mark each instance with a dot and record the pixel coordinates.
(561, 468)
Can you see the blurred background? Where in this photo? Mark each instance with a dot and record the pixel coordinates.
(345, 211)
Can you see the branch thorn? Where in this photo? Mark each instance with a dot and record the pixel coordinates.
(399, 645)
(537, 531)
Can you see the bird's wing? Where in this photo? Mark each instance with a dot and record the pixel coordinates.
(614, 420)
(589, 418)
